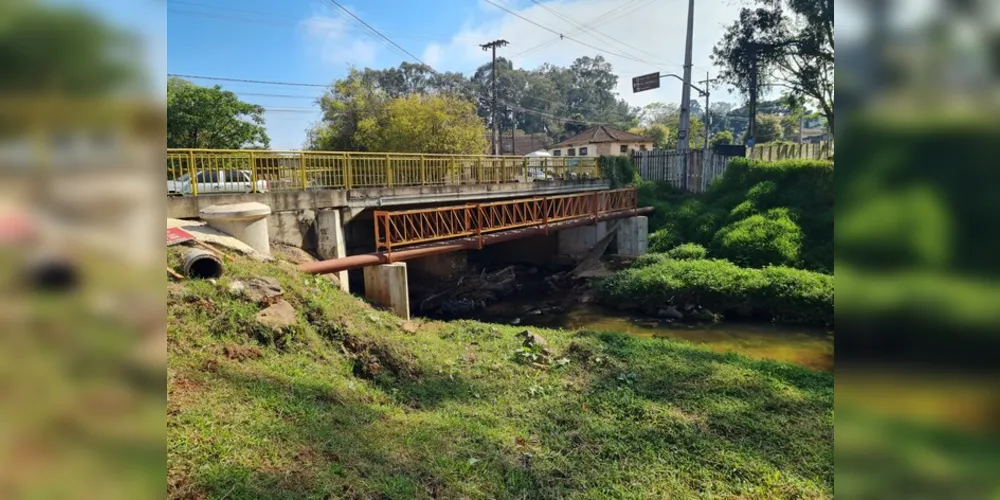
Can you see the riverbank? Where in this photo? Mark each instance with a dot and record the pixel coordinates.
(344, 400)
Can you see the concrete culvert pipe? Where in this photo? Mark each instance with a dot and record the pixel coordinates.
(53, 274)
(202, 264)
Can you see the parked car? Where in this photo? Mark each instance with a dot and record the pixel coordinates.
(218, 181)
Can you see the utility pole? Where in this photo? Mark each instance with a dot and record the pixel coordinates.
(752, 124)
(708, 117)
(708, 123)
(685, 125)
(493, 106)
(683, 135)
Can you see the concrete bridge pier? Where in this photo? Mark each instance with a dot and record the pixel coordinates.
(633, 236)
(387, 286)
(331, 241)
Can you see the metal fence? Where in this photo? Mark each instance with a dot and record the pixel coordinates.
(693, 171)
(257, 170)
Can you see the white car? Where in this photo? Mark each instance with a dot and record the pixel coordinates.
(218, 181)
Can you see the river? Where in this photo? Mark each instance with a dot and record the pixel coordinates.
(805, 346)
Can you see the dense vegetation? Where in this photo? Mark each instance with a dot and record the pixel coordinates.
(773, 293)
(758, 213)
(758, 244)
(351, 402)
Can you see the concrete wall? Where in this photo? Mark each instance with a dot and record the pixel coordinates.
(438, 267)
(294, 228)
(579, 240)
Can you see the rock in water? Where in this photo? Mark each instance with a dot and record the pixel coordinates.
(670, 312)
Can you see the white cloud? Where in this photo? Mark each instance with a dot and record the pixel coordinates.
(336, 39)
(642, 36)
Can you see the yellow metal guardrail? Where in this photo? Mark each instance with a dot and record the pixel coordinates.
(260, 170)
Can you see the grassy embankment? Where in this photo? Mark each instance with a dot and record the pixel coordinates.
(350, 403)
(758, 243)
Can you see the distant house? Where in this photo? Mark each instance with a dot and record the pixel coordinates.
(601, 141)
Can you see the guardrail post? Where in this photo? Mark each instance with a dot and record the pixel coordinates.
(480, 176)
(253, 173)
(388, 171)
(348, 171)
(192, 174)
(423, 171)
(525, 170)
(302, 167)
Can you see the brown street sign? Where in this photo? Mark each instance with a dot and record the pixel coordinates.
(646, 82)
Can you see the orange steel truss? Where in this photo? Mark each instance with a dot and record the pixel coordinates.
(410, 227)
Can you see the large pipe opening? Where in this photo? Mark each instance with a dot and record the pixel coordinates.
(201, 264)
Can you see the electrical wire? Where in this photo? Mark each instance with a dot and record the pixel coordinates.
(561, 35)
(377, 32)
(593, 31)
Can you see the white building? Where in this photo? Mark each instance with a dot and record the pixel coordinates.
(601, 141)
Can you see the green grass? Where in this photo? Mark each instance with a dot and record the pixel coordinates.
(450, 412)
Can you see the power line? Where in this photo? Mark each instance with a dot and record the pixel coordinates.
(362, 21)
(597, 21)
(561, 35)
(242, 80)
(593, 31)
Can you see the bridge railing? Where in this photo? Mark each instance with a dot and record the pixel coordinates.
(410, 227)
(228, 171)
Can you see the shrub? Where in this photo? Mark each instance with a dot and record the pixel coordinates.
(649, 259)
(687, 251)
(662, 240)
(618, 170)
(780, 293)
(765, 239)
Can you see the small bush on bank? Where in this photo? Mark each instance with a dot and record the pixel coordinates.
(687, 251)
(662, 240)
(649, 259)
(780, 293)
(772, 238)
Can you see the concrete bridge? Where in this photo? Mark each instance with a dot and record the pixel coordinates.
(342, 205)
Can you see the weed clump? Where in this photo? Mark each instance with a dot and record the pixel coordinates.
(772, 238)
(688, 251)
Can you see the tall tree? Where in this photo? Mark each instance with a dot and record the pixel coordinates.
(769, 129)
(793, 43)
(424, 124)
(59, 49)
(209, 117)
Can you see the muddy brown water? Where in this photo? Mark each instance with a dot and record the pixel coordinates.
(805, 346)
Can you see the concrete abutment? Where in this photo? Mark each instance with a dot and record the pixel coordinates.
(386, 285)
(633, 236)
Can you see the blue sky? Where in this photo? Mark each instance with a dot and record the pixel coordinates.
(311, 41)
